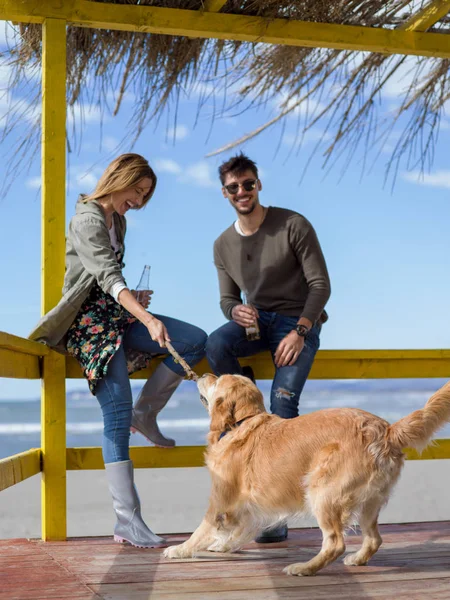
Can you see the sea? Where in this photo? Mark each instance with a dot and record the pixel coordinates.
(185, 419)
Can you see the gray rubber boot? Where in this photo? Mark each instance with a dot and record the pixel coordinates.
(130, 526)
(153, 397)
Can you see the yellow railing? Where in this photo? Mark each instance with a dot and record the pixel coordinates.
(21, 358)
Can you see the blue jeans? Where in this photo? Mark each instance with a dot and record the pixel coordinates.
(229, 342)
(114, 391)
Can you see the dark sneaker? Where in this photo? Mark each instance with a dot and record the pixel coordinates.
(248, 372)
(272, 535)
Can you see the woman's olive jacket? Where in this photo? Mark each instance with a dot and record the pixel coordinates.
(89, 259)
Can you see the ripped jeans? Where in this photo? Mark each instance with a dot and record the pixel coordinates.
(228, 343)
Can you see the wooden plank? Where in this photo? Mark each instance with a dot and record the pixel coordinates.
(428, 16)
(203, 24)
(193, 456)
(334, 364)
(19, 467)
(437, 450)
(280, 583)
(308, 589)
(17, 365)
(18, 344)
(143, 457)
(53, 443)
(53, 402)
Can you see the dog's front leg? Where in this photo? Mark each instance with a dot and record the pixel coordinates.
(201, 539)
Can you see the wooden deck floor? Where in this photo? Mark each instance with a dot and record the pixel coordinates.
(413, 563)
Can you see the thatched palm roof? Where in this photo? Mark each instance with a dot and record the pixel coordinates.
(340, 86)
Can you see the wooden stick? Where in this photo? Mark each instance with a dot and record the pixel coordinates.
(190, 374)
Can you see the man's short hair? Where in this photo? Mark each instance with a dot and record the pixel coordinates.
(237, 164)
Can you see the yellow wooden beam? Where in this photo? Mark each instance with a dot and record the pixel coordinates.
(19, 366)
(213, 5)
(142, 457)
(193, 456)
(53, 402)
(203, 24)
(18, 344)
(427, 17)
(334, 364)
(15, 469)
(437, 450)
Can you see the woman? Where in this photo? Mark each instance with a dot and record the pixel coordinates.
(100, 322)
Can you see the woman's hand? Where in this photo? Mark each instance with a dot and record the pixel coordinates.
(144, 297)
(158, 331)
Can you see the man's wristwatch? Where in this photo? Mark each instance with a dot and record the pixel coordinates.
(301, 330)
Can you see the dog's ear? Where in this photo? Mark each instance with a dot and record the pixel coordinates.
(248, 401)
(222, 414)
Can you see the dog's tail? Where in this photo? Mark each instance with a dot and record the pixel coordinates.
(416, 429)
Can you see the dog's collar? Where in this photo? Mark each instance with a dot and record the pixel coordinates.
(228, 430)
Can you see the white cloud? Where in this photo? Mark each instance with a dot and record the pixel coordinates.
(309, 136)
(11, 108)
(166, 165)
(437, 179)
(34, 183)
(199, 174)
(398, 84)
(5, 74)
(83, 177)
(178, 133)
(309, 107)
(8, 31)
(202, 89)
(84, 113)
(110, 143)
(80, 178)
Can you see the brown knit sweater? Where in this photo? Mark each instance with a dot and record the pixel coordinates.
(281, 267)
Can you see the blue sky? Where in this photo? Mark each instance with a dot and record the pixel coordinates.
(387, 250)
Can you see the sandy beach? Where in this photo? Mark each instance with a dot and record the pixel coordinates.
(174, 500)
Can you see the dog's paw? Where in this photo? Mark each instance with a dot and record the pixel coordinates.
(354, 560)
(179, 551)
(299, 569)
(219, 547)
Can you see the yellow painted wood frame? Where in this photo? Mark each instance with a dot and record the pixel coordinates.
(19, 467)
(334, 364)
(427, 16)
(53, 402)
(205, 24)
(144, 457)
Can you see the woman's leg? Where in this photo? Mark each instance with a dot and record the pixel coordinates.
(114, 395)
(189, 341)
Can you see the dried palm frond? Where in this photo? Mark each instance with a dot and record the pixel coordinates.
(340, 89)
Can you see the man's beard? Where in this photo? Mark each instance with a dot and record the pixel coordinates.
(247, 210)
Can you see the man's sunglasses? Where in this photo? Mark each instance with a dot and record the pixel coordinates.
(248, 185)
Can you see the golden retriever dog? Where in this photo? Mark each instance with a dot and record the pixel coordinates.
(338, 464)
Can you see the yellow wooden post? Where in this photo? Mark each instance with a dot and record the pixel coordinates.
(53, 402)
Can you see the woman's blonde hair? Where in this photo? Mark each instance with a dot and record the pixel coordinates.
(125, 171)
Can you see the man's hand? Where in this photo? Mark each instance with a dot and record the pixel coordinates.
(289, 349)
(158, 331)
(144, 297)
(244, 314)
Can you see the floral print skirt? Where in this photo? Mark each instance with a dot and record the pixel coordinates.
(96, 335)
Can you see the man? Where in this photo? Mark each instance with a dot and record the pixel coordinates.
(273, 256)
